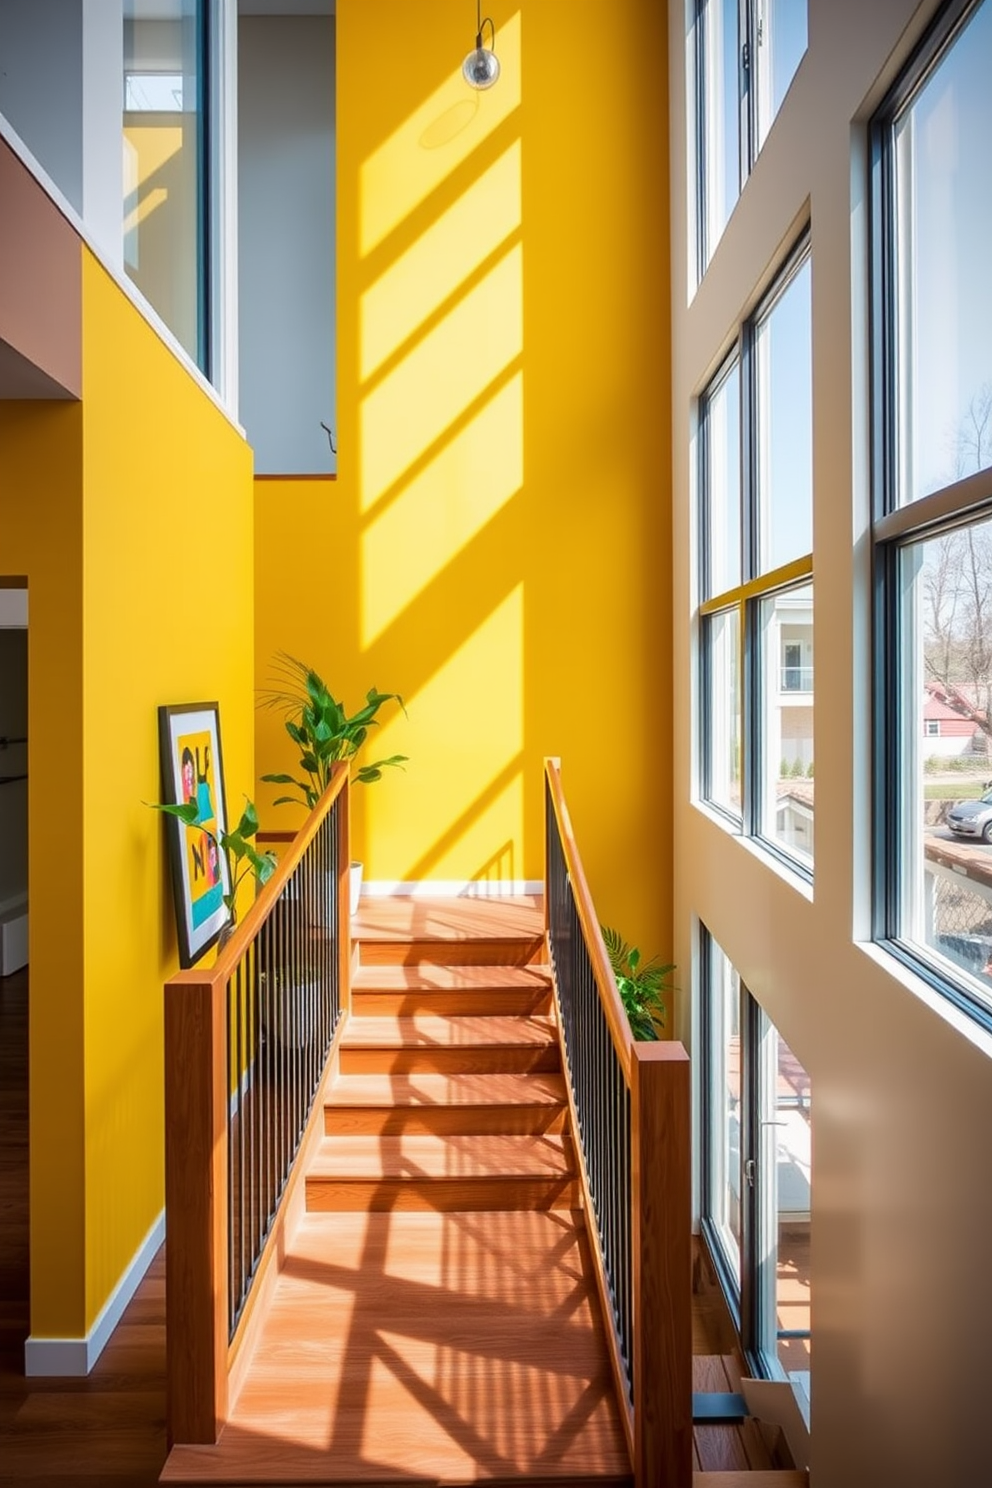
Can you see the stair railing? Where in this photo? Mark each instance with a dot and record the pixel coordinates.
(630, 1109)
(247, 1043)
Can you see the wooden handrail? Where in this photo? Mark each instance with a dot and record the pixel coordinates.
(201, 1355)
(616, 1016)
(262, 907)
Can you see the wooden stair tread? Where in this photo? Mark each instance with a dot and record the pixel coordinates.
(447, 919)
(454, 1157)
(427, 1031)
(430, 1347)
(432, 1090)
(435, 977)
(751, 1478)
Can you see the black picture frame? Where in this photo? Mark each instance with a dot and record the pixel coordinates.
(193, 770)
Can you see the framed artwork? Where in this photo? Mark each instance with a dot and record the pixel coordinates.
(192, 771)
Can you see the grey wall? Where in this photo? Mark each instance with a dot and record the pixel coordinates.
(13, 798)
(286, 230)
(41, 85)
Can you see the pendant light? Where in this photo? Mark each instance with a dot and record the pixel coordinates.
(481, 67)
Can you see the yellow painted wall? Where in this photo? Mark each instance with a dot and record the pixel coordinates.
(130, 514)
(496, 547)
(41, 539)
(167, 614)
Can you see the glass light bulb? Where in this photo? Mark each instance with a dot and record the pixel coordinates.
(480, 68)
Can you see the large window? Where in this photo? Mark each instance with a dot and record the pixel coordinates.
(757, 1173)
(932, 398)
(746, 54)
(165, 176)
(756, 520)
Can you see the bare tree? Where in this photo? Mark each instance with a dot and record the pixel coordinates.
(957, 589)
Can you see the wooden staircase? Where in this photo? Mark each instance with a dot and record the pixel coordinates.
(435, 1319)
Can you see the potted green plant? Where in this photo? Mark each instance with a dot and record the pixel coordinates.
(641, 985)
(325, 733)
(242, 856)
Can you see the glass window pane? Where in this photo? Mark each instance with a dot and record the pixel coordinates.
(785, 650)
(785, 1189)
(724, 1100)
(164, 216)
(945, 825)
(722, 557)
(784, 433)
(722, 643)
(782, 36)
(719, 103)
(943, 227)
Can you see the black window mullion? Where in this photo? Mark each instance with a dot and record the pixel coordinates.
(747, 88)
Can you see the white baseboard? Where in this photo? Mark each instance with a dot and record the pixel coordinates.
(75, 1357)
(451, 888)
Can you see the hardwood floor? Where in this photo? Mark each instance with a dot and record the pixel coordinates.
(59, 1433)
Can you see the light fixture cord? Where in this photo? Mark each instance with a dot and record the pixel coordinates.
(479, 23)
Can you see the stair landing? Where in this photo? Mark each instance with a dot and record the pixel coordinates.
(438, 1348)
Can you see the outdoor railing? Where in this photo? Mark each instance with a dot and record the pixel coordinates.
(630, 1112)
(246, 1046)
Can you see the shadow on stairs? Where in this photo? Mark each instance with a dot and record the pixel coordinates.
(435, 1319)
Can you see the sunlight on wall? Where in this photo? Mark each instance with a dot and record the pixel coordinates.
(442, 509)
(453, 764)
(409, 165)
(413, 287)
(455, 363)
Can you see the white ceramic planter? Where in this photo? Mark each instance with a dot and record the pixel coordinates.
(356, 887)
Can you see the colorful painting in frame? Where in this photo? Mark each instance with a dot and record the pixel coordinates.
(192, 770)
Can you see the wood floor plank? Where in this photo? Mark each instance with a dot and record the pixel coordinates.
(459, 1347)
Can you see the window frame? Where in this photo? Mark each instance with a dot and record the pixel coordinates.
(755, 585)
(896, 528)
(752, 1301)
(749, 141)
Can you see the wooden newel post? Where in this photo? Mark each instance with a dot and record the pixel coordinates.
(662, 1222)
(196, 1264)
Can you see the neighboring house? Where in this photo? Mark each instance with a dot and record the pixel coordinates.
(947, 732)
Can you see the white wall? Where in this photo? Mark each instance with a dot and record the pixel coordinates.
(902, 1203)
(41, 85)
(286, 225)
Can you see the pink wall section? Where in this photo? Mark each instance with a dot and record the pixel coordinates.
(40, 290)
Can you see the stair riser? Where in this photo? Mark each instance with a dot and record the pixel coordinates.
(442, 1196)
(487, 1061)
(485, 1002)
(527, 952)
(512, 1121)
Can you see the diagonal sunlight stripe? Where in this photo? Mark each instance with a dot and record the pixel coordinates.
(464, 726)
(441, 259)
(442, 509)
(436, 138)
(414, 405)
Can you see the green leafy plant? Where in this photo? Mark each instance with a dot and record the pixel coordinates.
(323, 730)
(242, 857)
(641, 985)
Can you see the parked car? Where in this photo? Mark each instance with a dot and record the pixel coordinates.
(972, 818)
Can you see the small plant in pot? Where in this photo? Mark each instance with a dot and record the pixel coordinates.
(641, 984)
(325, 733)
(243, 858)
